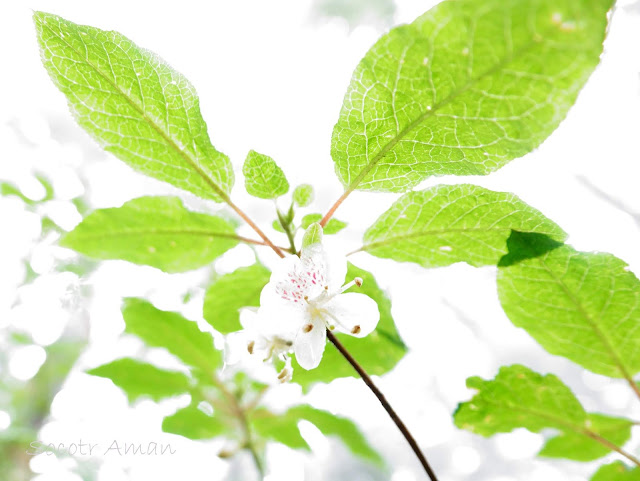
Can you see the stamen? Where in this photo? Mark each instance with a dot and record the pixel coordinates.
(250, 346)
(356, 330)
(307, 328)
(355, 282)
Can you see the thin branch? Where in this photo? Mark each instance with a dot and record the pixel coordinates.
(238, 410)
(254, 226)
(385, 404)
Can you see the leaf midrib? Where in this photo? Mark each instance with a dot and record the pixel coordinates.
(599, 333)
(432, 111)
(130, 233)
(218, 190)
(413, 235)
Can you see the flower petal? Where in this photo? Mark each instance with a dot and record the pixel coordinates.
(353, 313)
(309, 344)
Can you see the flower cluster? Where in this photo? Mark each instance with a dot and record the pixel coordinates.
(303, 299)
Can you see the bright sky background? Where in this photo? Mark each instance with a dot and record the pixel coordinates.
(271, 76)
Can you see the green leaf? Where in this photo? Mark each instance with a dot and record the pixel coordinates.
(332, 425)
(582, 306)
(229, 293)
(616, 471)
(570, 445)
(170, 330)
(193, 423)
(134, 105)
(140, 379)
(333, 226)
(378, 353)
(313, 235)
(467, 87)
(453, 223)
(262, 177)
(277, 227)
(277, 427)
(521, 398)
(303, 195)
(283, 428)
(154, 231)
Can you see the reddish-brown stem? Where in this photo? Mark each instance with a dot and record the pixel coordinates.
(334, 207)
(385, 404)
(255, 227)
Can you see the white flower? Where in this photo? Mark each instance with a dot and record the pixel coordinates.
(307, 292)
(260, 340)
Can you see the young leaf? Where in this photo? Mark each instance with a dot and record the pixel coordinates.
(262, 177)
(378, 353)
(465, 88)
(140, 379)
(193, 423)
(333, 226)
(570, 445)
(582, 306)
(170, 330)
(134, 105)
(284, 429)
(313, 235)
(453, 223)
(616, 471)
(521, 398)
(154, 231)
(277, 227)
(303, 195)
(228, 294)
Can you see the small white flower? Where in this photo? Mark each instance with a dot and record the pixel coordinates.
(307, 292)
(260, 340)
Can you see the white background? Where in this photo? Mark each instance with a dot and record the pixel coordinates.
(271, 76)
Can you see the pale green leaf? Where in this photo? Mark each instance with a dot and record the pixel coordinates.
(229, 293)
(134, 105)
(283, 428)
(333, 226)
(453, 223)
(465, 88)
(303, 195)
(140, 379)
(521, 398)
(277, 427)
(170, 330)
(332, 425)
(154, 231)
(313, 235)
(571, 445)
(262, 177)
(378, 353)
(584, 306)
(277, 227)
(193, 423)
(616, 471)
